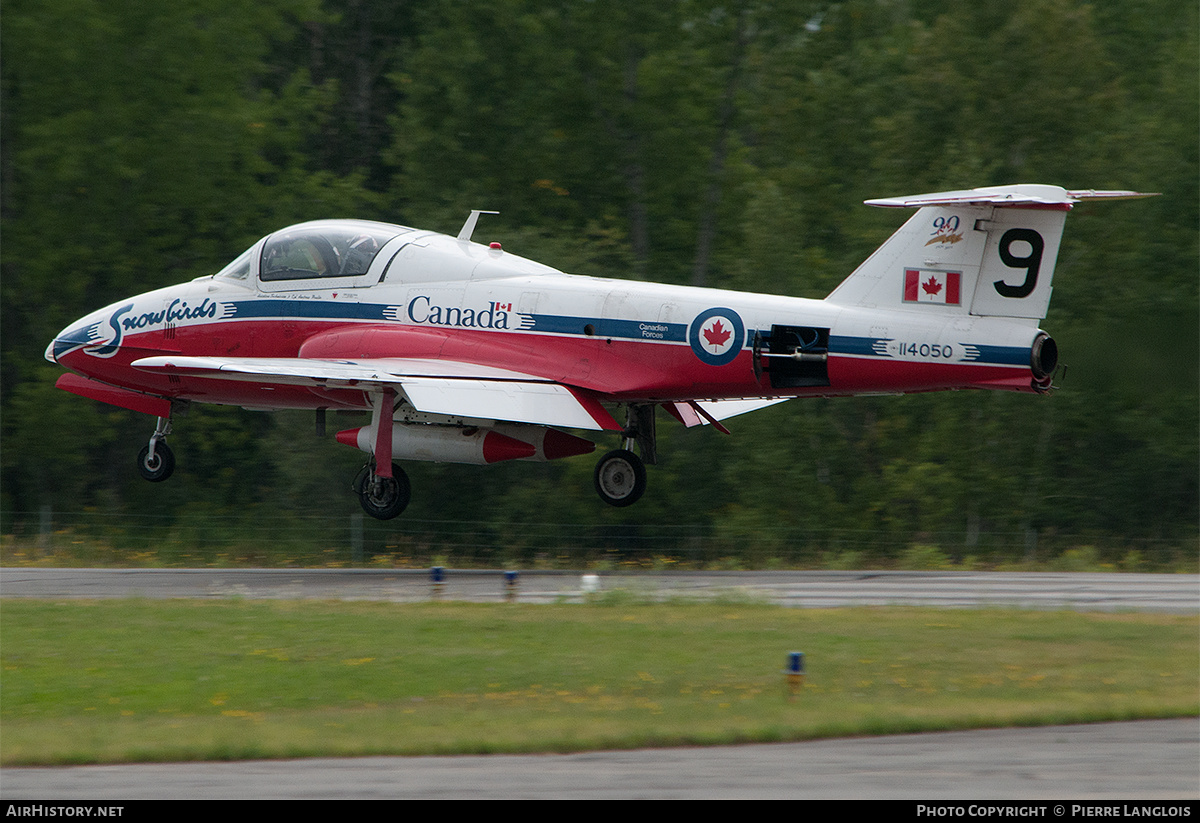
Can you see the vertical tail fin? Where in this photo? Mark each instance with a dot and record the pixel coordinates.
(988, 252)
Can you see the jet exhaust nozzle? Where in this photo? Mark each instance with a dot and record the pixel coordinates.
(1043, 357)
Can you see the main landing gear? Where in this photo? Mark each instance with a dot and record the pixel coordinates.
(156, 461)
(621, 475)
(620, 478)
(382, 497)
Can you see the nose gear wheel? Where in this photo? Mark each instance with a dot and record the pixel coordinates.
(159, 467)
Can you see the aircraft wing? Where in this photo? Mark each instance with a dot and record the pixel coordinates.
(432, 386)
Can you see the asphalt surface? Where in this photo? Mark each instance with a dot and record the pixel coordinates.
(1153, 760)
(807, 589)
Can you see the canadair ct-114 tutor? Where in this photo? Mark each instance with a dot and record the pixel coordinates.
(467, 353)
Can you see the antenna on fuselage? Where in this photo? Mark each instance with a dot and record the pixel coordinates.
(469, 227)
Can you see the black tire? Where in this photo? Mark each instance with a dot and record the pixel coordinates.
(620, 478)
(392, 495)
(161, 467)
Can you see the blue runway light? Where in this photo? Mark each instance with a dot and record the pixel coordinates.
(795, 673)
(435, 582)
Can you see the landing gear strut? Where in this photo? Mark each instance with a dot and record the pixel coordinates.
(382, 486)
(156, 461)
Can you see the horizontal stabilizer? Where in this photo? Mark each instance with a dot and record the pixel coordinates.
(1025, 194)
(987, 252)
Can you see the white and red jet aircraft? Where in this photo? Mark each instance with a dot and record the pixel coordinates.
(466, 353)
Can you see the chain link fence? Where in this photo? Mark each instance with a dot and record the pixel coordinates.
(206, 538)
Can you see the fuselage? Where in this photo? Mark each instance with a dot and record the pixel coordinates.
(426, 295)
(465, 353)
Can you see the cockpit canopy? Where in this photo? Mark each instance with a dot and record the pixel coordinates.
(354, 254)
(312, 252)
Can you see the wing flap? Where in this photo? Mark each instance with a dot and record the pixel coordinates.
(713, 411)
(725, 409)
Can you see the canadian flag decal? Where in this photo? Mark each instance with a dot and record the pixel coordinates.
(927, 286)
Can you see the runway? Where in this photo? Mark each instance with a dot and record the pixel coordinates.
(1148, 760)
(807, 589)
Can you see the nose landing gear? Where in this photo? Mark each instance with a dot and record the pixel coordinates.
(156, 461)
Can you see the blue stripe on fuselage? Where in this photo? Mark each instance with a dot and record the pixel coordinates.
(975, 352)
(601, 327)
(322, 309)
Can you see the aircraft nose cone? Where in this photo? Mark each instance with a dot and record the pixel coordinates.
(98, 335)
(69, 339)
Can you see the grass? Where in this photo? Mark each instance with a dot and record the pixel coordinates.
(319, 542)
(139, 680)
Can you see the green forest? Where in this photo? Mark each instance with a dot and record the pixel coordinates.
(720, 143)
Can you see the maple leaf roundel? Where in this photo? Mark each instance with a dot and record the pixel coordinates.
(717, 335)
